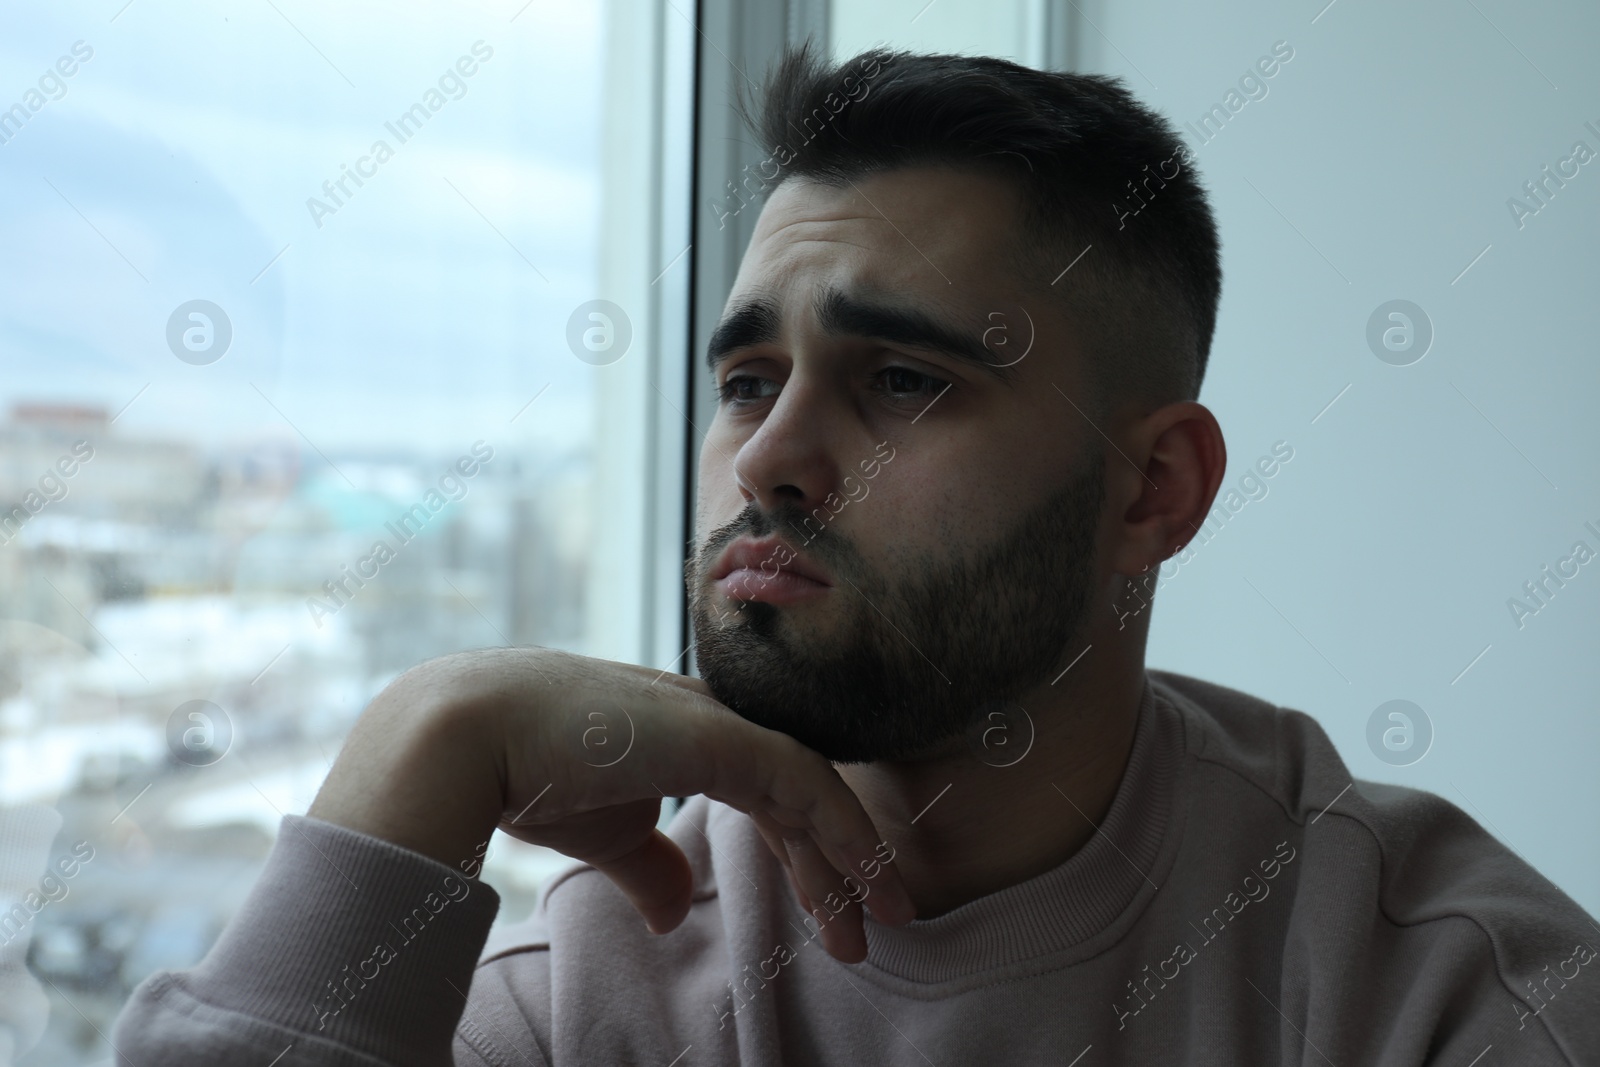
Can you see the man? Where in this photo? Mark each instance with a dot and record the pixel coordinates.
(940, 812)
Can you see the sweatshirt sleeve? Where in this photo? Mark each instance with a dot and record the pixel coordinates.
(348, 950)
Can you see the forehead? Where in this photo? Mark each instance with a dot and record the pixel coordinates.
(945, 234)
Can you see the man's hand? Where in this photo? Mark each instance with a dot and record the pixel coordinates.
(576, 754)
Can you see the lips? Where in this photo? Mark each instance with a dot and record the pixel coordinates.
(768, 570)
(768, 556)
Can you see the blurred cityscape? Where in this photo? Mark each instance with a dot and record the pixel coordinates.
(139, 574)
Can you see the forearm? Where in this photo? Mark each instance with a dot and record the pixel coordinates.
(348, 948)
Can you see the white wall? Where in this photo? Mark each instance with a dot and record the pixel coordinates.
(1378, 167)
(993, 29)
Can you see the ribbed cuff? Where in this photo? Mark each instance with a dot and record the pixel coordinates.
(355, 940)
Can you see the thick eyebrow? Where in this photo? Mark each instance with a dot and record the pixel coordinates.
(753, 322)
(844, 315)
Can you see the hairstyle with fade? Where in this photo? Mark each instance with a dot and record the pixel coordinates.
(1084, 154)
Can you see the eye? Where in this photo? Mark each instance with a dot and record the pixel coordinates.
(904, 381)
(737, 389)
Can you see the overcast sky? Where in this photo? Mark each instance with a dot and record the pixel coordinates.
(178, 162)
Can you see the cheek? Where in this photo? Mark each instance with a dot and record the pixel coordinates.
(958, 490)
(717, 497)
(914, 509)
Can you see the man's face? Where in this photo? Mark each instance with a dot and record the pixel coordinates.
(947, 506)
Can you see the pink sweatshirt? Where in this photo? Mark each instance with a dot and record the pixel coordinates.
(1244, 903)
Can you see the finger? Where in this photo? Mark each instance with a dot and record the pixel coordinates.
(864, 858)
(835, 909)
(656, 879)
(772, 833)
(800, 790)
(692, 744)
(623, 844)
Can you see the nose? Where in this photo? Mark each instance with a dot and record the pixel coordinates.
(789, 459)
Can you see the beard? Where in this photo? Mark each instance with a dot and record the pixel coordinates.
(920, 655)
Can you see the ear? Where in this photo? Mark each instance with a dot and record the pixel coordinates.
(1182, 457)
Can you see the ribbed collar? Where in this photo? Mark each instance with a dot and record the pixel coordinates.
(1111, 876)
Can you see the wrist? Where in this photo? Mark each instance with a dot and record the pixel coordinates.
(419, 770)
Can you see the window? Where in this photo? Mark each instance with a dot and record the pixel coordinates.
(334, 339)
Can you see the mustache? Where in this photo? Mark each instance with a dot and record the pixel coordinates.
(786, 521)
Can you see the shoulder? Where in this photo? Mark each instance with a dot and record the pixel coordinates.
(1431, 850)
(1396, 884)
(1282, 752)
(1434, 855)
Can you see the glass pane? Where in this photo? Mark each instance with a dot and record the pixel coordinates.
(302, 384)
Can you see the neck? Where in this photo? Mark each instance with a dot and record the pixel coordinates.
(982, 816)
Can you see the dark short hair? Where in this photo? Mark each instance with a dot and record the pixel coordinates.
(1085, 156)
